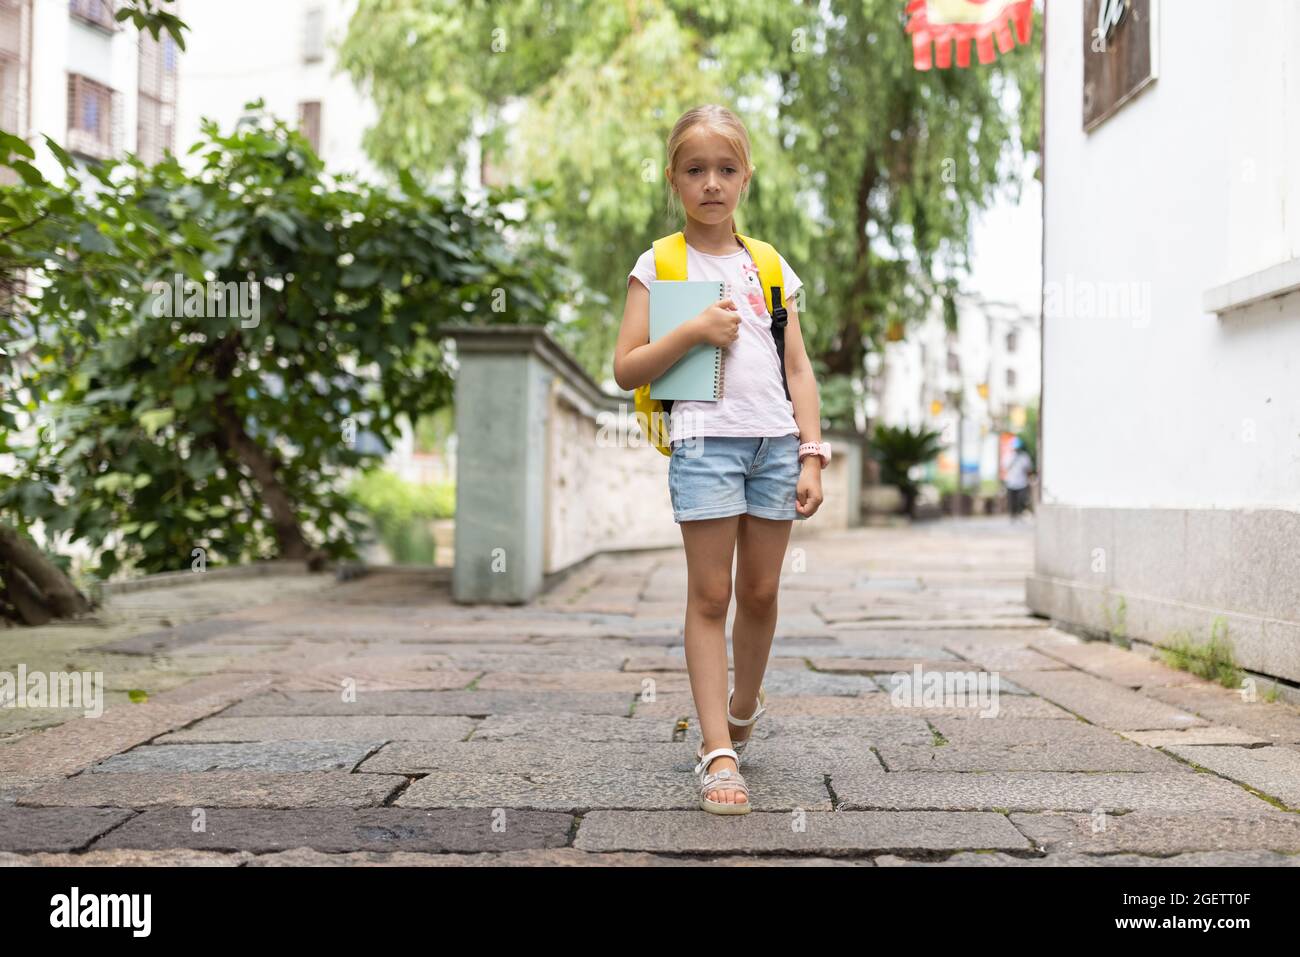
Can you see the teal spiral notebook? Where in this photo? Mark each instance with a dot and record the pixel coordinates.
(698, 374)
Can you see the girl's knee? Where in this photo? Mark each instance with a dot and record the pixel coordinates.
(758, 598)
(711, 601)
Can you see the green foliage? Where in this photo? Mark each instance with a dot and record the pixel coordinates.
(146, 430)
(1213, 659)
(868, 172)
(152, 16)
(900, 449)
(401, 512)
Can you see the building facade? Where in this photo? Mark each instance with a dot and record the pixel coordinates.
(1170, 429)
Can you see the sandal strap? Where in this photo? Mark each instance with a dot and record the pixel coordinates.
(744, 722)
(726, 780)
(716, 752)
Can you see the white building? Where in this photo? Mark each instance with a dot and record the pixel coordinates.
(973, 383)
(284, 53)
(97, 87)
(1170, 431)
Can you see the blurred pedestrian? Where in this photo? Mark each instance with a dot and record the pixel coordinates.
(1019, 471)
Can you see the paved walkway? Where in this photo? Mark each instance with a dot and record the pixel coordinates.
(375, 721)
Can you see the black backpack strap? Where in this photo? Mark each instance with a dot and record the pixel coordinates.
(778, 333)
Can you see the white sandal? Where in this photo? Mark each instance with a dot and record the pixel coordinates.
(739, 746)
(724, 780)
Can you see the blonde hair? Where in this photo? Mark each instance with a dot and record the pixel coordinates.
(717, 119)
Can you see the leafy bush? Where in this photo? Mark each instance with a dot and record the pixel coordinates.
(401, 512)
(147, 428)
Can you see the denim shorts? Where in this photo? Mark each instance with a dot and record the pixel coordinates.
(718, 476)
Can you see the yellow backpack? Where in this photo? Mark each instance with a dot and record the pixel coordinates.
(670, 264)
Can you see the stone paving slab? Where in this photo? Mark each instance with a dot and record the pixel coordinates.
(1104, 703)
(624, 682)
(471, 703)
(540, 662)
(525, 757)
(315, 728)
(868, 705)
(823, 655)
(571, 727)
(676, 661)
(282, 756)
(938, 625)
(884, 666)
(217, 789)
(379, 674)
(904, 681)
(1211, 734)
(1118, 665)
(814, 832)
(56, 829)
(791, 681)
(1156, 832)
(171, 640)
(1190, 859)
(1045, 791)
(1010, 732)
(72, 746)
(343, 829)
(1058, 756)
(554, 857)
(127, 858)
(772, 787)
(1271, 771)
(812, 730)
(1005, 657)
(1273, 721)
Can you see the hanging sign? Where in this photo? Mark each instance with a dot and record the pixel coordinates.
(943, 24)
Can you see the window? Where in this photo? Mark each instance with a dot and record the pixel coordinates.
(93, 118)
(309, 122)
(156, 127)
(1011, 378)
(1011, 341)
(313, 35)
(15, 55)
(96, 12)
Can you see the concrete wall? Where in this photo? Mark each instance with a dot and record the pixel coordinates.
(552, 470)
(1171, 406)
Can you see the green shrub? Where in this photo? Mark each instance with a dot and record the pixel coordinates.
(402, 511)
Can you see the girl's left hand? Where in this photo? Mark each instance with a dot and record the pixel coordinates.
(808, 493)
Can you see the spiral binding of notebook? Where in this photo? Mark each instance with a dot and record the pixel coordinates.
(719, 373)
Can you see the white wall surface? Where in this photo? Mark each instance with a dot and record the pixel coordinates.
(1193, 183)
(240, 50)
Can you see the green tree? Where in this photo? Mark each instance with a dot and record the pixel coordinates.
(148, 430)
(868, 171)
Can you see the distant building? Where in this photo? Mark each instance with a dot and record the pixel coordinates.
(973, 382)
(97, 87)
(284, 53)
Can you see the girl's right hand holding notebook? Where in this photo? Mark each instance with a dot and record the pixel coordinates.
(719, 325)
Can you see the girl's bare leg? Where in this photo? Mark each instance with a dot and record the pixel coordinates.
(710, 548)
(761, 545)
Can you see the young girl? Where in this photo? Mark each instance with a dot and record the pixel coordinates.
(740, 472)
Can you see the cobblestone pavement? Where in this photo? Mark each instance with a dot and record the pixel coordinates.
(562, 732)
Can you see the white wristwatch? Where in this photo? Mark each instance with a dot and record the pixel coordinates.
(821, 449)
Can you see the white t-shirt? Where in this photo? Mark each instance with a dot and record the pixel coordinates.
(753, 401)
(1018, 470)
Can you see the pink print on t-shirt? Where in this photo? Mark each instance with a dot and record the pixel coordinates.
(753, 290)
